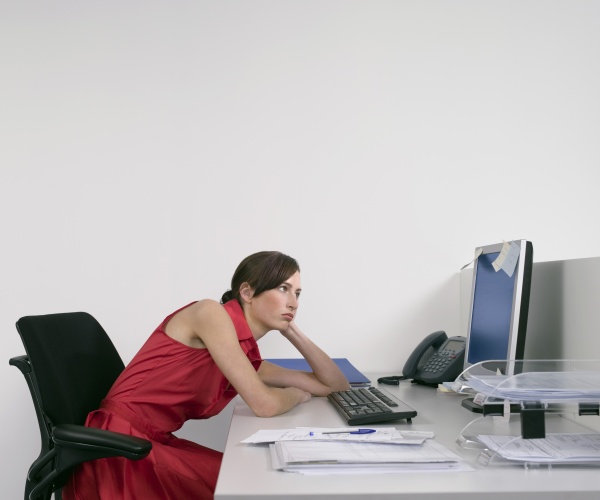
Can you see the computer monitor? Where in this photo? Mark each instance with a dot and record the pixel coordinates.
(499, 306)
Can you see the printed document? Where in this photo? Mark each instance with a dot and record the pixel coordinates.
(561, 448)
(324, 457)
(388, 435)
(540, 386)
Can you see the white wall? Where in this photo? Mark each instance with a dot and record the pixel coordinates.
(147, 147)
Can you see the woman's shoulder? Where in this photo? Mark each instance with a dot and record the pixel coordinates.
(206, 311)
(206, 306)
(191, 323)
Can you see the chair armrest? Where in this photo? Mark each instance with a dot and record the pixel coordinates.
(75, 444)
(101, 442)
(21, 362)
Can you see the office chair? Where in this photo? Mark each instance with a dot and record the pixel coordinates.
(69, 367)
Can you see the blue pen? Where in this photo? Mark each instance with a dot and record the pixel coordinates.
(357, 431)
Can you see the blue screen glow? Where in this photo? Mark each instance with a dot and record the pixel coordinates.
(492, 310)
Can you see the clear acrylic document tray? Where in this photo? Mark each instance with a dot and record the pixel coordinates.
(528, 410)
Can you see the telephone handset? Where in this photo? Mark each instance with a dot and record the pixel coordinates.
(436, 359)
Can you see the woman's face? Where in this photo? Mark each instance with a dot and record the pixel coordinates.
(274, 309)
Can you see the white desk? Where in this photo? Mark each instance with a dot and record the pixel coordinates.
(246, 470)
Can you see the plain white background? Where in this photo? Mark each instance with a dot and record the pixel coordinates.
(147, 147)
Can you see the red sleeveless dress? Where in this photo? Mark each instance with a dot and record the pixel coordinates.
(165, 384)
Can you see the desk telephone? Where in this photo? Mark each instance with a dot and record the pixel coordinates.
(436, 359)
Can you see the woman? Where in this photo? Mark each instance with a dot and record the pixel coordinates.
(194, 363)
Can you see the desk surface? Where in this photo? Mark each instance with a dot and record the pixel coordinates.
(246, 470)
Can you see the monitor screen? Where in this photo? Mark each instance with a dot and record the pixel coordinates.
(499, 306)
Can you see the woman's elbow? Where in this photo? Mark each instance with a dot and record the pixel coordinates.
(265, 412)
(265, 408)
(278, 400)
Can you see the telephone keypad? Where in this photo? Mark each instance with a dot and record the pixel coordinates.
(436, 364)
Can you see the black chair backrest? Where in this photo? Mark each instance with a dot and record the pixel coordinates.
(74, 363)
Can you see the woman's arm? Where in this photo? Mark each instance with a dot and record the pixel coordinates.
(325, 378)
(209, 322)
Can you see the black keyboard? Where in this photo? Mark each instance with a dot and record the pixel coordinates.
(369, 405)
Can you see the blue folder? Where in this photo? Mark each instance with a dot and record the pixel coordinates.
(354, 376)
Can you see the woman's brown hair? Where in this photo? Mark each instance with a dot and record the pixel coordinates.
(262, 271)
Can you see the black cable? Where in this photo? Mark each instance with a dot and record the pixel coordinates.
(391, 380)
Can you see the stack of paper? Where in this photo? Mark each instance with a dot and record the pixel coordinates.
(554, 448)
(539, 386)
(339, 451)
(380, 435)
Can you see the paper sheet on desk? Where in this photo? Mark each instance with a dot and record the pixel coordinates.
(389, 435)
(355, 469)
(361, 458)
(540, 386)
(563, 447)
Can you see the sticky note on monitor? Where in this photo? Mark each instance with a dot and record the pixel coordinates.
(507, 260)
